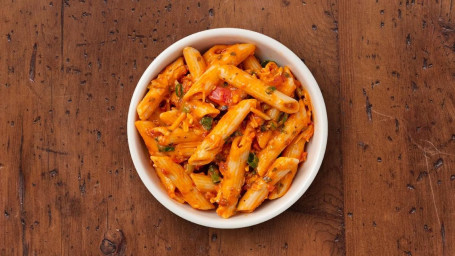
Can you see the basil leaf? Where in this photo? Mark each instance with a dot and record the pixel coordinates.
(252, 160)
(206, 122)
(179, 90)
(270, 89)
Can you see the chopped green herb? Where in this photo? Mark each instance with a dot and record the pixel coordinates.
(265, 62)
(283, 118)
(263, 128)
(270, 89)
(253, 160)
(167, 148)
(233, 54)
(267, 179)
(206, 122)
(272, 125)
(179, 90)
(214, 174)
(286, 74)
(186, 109)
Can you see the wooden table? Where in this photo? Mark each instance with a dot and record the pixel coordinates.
(387, 73)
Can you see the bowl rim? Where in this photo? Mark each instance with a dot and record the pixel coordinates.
(138, 93)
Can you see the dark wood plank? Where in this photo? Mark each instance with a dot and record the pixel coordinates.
(397, 82)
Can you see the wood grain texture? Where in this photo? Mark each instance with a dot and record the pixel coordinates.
(397, 80)
(67, 73)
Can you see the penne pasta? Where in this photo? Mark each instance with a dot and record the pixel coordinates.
(203, 182)
(211, 54)
(200, 109)
(283, 138)
(171, 73)
(289, 85)
(294, 150)
(169, 186)
(252, 63)
(204, 85)
(224, 132)
(233, 54)
(258, 192)
(145, 130)
(182, 181)
(196, 64)
(234, 176)
(258, 89)
(183, 151)
(159, 88)
(165, 137)
(211, 145)
(265, 136)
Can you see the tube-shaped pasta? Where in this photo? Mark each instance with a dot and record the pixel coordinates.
(171, 73)
(288, 88)
(159, 88)
(145, 130)
(182, 181)
(205, 84)
(177, 136)
(169, 186)
(213, 142)
(295, 150)
(170, 116)
(183, 151)
(278, 143)
(289, 84)
(234, 176)
(258, 89)
(200, 109)
(251, 63)
(203, 182)
(151, 100)
(258, 192)
(211, 54)
(195, 62)
(233, 54)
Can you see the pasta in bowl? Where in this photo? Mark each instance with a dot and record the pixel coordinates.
(224, 131)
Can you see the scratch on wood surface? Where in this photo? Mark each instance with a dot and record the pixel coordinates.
(368, 105)
(21, 191)
(425, 155)
(31, 71)
(387, 117)
(48, 150)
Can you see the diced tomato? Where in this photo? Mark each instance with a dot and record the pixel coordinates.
(221, 96)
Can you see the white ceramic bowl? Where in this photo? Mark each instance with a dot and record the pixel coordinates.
(267, 48)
